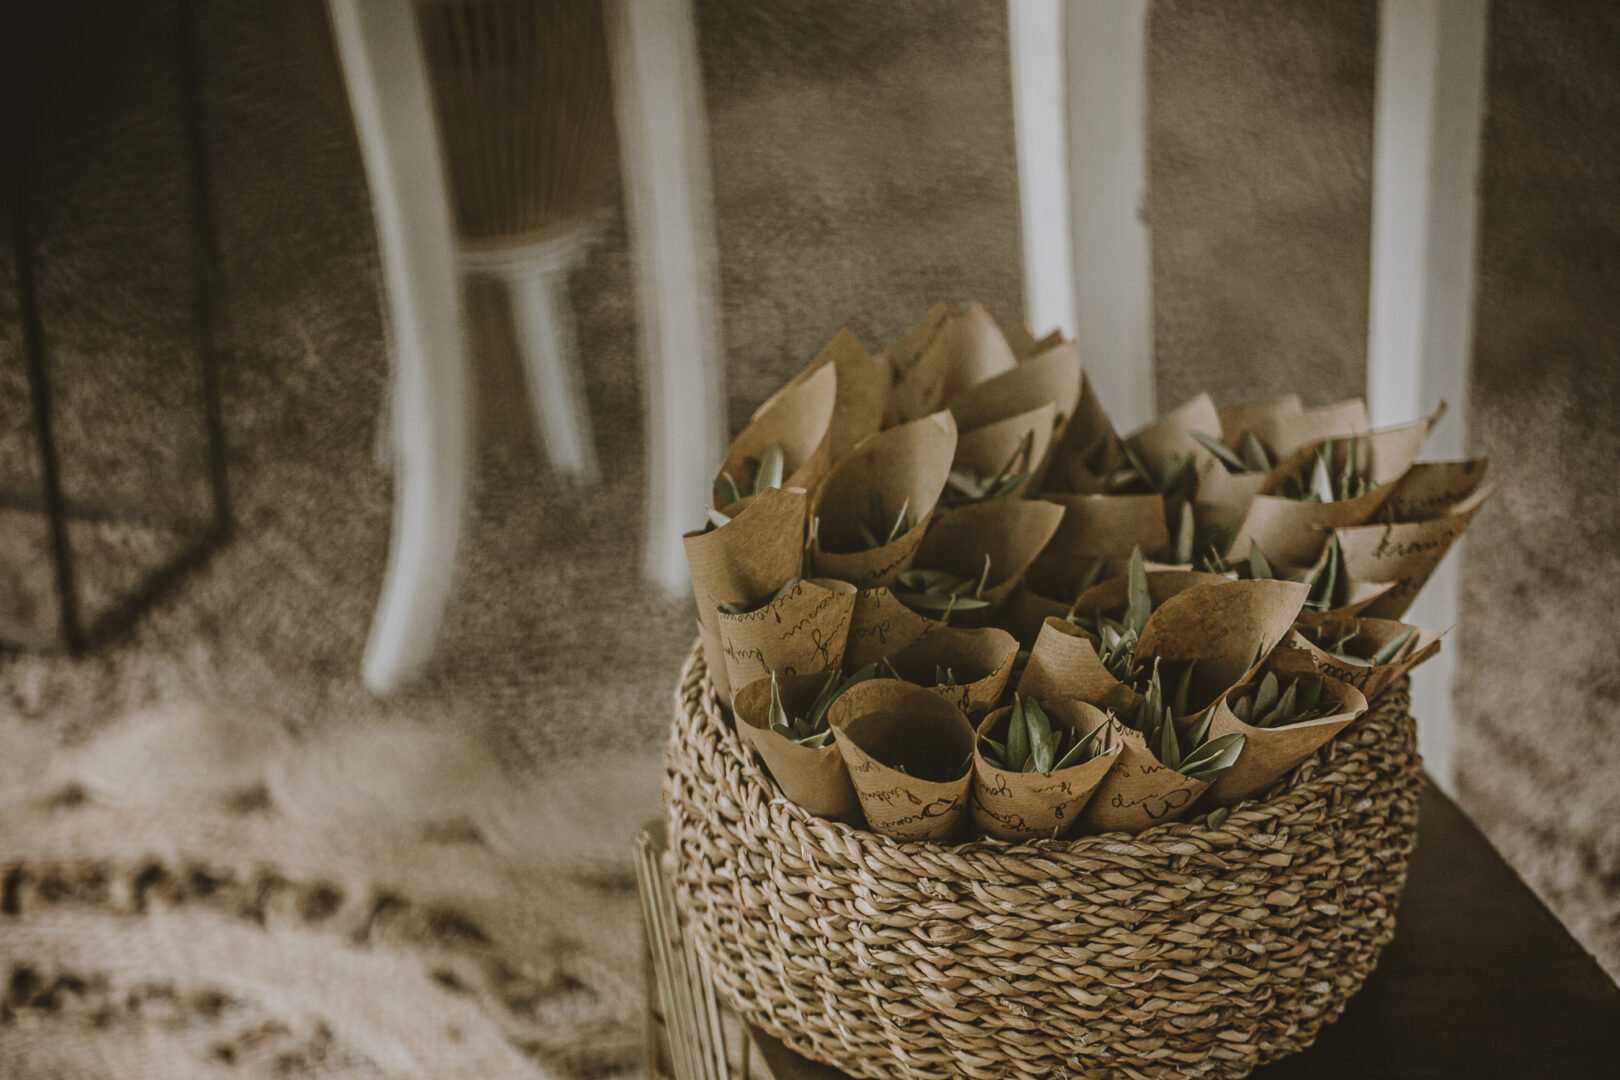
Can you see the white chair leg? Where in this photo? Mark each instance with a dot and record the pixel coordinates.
(664, 155)
(538, 292)
(384, 71)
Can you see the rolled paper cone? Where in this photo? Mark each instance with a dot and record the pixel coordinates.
(1295, 532)
(802, 631)
(909, 756)
(1025, 344)
(881, 626)
(987, 449)
(1110, 597)
(1012, 805)
(1139, 791)
(1024, 611)
(863, 389)
(1433, 489)
(1170, 436)
(1405, 553)
(904, 466)
(1010, 531)
(1221, 626)
(980, 660)
(1096, 526)
(1283, 433)
(1255, 416)
(1064, 664)
(974, 351)
(1270, 753)
(743, 562)
(1222, 498)
(916, 375)
(1367, 636)
(813, 778)
(1357, 596)
(1086, 425)
(799, 421)
(1052, 378)
(1386, 455)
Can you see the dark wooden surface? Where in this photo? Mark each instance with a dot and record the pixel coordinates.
(1480, 982)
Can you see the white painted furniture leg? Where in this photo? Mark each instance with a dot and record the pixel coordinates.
(1106, 91)
(1430, 103)
(1040, 118)
(383, 68)
(536, 282)
(664, 154)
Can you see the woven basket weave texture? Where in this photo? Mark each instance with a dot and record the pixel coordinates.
(1183, 951)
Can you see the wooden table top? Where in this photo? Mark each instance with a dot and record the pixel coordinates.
(1480, 981)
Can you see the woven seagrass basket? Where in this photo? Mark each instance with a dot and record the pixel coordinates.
(1183, 951)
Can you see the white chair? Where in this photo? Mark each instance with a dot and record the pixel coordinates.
(664, 154)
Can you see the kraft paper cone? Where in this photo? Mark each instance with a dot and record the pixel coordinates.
(1170, 436)
(981, 661)
(1356, 597)
(1405, 553)
(1283, 432)
(884, 723)
(1085, 427)
(1432, 489)
(1035, 806)
(1220, 626)
(1064, 664)
(743, 563)
(1095, 526)
(1025, 344)
(1011, 531)
(974, 351)
(1053, 378)
(1293, 531)
(863, 390)
(1386, 455)
(909, 462)
(802, 631)
(1366, 637)
(1222, 498)
(800, 422)
(916, 370)
(986, 449)
(1139, 791)
(1111, 596)
(881, 626)
(813, 778)
(1269, 754)
(1025, 610)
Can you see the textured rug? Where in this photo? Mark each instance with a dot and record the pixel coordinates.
(220, 855)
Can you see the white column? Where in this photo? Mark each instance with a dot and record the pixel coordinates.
(1430, 103)
(1106, 45)
(1040, 122)
(664, 154)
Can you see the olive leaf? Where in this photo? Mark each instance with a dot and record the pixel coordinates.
(1137, 477)
(1213, 757)
(1251, 456)
(1191, 752)
(1324, 580)
(811, 730)
(940, 593)
(1034, 746)
(1117, 639)
(879, 529)
(964, 486)
(759, 474)
(1320, 481)
(1259, 565)
(1340, 646)
(1216, 818)
(1273, 705)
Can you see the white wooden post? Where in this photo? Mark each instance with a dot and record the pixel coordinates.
(664, 155)
(1040, 120)
(1106, 69)
(1430, 103)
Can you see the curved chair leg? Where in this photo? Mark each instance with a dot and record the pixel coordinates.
(383, 68)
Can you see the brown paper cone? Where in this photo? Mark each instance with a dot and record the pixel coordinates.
(1357, 596)
(1110, 597)
(1103, 525)
(1011, 531)
(1386, 455)
(863, 390)
(1368, 635)
(1292, 531)
(884, 725)
(1270, 753)
(1052, 378)
(1170, 436)
(1089, 423)
(1025, 344)
(803, 631)
(743, 563)
(1037, 806)
(981, 661)
(1064, 664)
(1219, 626)
(916, 370)
(986, 449)
(1405, 553)
(1138, 791)
(1432, 489)
(909, 462)
(881, 626)
(800, 421)
(1222, 498)
(974, 349)
(813, 778)
(1284, 432)
(1024, 611)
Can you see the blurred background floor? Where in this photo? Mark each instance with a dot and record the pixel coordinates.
(863, 167)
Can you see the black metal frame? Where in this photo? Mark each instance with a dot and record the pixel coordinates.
(73, 634)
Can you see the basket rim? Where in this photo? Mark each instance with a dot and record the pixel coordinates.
(1297, 791)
